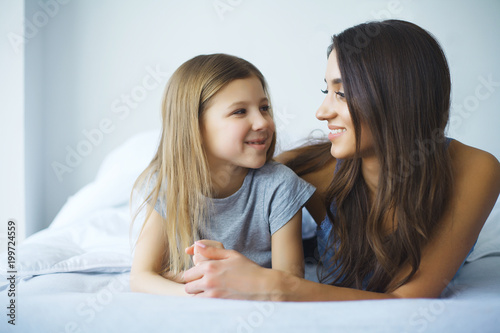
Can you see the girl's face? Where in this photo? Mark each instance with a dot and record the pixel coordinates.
(236, 127)
(335, 111)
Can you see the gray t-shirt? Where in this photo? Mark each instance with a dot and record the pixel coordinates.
(245, 221)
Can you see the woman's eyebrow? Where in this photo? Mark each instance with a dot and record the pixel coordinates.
(336, 81)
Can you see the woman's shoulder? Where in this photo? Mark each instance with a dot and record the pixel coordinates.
(468, 160)
(476, 177)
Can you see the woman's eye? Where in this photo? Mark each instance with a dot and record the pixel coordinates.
(341, 94)
(324, 91)
(264, 108)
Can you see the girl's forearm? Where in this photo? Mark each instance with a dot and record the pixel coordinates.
(152, 283)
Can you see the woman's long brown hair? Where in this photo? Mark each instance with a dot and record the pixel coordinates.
(397, 83)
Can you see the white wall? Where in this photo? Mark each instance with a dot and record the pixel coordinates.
(35, 114)
(12, 164)
(90, 55)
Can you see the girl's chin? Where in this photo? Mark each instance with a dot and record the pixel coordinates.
(255, 164)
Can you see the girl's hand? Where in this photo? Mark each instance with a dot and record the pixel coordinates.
(229, 274)
(194, 250)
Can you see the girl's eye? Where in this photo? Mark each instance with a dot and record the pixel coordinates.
(324, 91)
(341, 94)
(265, 108)
(240, 111)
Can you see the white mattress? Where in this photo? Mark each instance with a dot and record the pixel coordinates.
(73, 277)
(102, 302)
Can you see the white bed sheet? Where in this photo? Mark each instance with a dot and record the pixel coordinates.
(102, 302)
(73, 277)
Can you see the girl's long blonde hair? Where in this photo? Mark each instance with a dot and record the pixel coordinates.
(178, 176)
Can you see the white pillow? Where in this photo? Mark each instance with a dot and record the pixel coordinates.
(133, 156)
(114, 180)
(99, 242)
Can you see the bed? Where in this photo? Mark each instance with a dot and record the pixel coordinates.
(73, 277)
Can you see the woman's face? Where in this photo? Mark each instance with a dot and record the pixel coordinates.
(334, 110)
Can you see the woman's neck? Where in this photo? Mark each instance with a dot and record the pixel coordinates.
(370, 169)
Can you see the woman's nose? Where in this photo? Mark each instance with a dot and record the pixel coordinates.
(327, 109)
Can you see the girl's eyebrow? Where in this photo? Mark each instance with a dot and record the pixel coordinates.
(244, 103)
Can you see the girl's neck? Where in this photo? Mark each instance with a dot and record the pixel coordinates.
(227, 180)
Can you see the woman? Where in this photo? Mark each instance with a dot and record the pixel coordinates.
(405, 204)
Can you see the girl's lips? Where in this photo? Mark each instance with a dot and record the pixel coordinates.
(259, 144)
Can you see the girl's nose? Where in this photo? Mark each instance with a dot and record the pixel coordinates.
(261, 121)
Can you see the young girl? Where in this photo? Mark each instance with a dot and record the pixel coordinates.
(213, 178)
(405, 204)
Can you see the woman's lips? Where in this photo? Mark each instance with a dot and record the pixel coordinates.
(336, 132)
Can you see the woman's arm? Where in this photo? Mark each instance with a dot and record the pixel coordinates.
(231, 275)
(286, 243)
(476, 187)
(145, 275)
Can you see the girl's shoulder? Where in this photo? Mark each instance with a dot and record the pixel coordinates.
(272, 166)
(274, 172)
(315, 165)
(274, 175)
(275, 180)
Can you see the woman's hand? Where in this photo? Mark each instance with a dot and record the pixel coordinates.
(229, 274)
(194, 250)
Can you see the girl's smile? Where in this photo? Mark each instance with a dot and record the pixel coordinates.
(258, 143)
(237, 127)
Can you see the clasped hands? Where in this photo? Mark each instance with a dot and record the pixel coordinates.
(194, 251)
(222, 273)
(195, 274)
